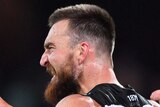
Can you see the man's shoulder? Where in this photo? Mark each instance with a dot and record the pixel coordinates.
(76, 100)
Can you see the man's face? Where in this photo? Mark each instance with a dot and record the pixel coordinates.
(58, 58)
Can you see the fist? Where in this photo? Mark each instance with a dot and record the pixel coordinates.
(155, 95)
(3, 103)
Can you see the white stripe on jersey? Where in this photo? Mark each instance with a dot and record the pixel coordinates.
(123, 106)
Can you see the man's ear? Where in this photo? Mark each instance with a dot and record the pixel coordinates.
(83, 52)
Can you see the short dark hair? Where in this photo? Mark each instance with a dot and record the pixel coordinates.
(88, 22)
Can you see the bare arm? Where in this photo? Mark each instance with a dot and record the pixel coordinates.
(76, 101)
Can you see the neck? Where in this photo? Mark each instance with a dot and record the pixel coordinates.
(97, 73)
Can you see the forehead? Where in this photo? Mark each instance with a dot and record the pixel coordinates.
(58, 30)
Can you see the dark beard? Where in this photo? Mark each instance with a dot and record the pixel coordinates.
(63, 84)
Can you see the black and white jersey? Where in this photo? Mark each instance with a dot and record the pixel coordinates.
(111, 95)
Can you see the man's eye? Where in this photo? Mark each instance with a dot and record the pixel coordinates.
(51, 48)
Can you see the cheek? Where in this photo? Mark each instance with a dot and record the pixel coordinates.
(57, 57)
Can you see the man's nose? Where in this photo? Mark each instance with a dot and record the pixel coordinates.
(44, 60)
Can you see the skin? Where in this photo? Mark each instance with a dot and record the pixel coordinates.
(3, 103)
(155, 95)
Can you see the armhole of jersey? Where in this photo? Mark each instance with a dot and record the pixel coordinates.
(96, 102)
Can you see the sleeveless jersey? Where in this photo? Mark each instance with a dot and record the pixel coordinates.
(111, 95)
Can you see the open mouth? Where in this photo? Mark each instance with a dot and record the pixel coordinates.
(51, 70)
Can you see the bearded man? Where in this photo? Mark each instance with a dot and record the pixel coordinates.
(78, 54)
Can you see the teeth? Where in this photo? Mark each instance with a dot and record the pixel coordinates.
(53, 78)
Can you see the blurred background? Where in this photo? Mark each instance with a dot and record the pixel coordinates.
(23, 28)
